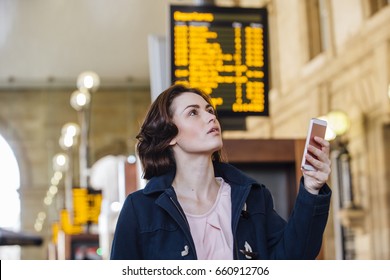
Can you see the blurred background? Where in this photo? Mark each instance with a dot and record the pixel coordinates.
(77, 77)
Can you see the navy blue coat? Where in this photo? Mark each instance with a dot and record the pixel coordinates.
(152, 224)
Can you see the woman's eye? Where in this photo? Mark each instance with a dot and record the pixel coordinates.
(211, 111)
(193, 113)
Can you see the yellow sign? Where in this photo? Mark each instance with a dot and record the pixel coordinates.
(223, 51)
(86, 206)
(86, 209)
(66, 224)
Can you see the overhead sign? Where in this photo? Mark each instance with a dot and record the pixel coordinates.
(224, 52)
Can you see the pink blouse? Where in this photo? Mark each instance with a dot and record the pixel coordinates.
(212, 232)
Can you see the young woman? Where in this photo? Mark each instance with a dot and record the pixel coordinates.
(194, 206)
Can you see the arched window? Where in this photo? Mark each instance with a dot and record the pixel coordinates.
(9, 197)
(317, 12)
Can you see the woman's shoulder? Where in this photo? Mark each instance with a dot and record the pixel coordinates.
(233, 175)
(139, 195)
(140, 204)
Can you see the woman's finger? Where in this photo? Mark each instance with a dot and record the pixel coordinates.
(319, 154)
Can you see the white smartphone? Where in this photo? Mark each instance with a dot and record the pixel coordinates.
(317, 127)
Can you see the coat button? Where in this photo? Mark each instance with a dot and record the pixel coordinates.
(185, 251)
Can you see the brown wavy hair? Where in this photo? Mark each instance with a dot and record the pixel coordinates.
(158, 130)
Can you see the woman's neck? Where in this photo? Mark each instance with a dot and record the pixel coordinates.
(195, 185)
(195, 176)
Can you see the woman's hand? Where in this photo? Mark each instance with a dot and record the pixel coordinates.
(314, 180)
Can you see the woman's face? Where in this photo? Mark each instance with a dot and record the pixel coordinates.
(199, 129)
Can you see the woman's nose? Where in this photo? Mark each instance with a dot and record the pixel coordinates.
(211, 117)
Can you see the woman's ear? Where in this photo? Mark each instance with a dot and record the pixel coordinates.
(173, 142)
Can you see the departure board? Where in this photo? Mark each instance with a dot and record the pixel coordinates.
(223, 51)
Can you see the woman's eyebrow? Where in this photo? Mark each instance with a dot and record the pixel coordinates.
(191, 106)
(196, 106)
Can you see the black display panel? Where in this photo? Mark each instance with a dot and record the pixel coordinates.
(224, 52)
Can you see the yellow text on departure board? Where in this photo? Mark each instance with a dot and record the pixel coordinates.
(220, 57)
